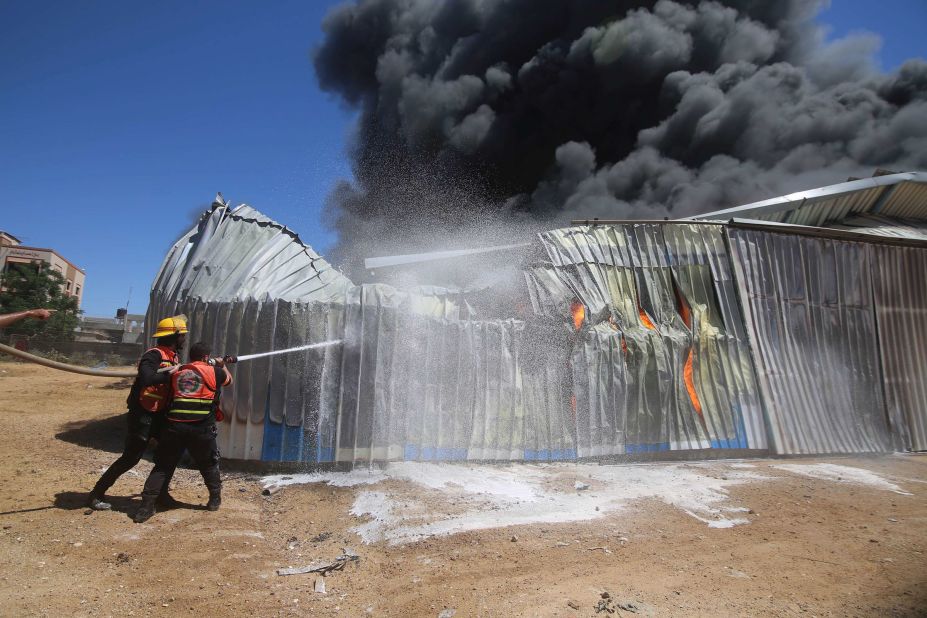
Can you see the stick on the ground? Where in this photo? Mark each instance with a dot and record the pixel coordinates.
(814, 560)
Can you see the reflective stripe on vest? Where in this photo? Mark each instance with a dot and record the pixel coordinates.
(194, 390)
(187, 405)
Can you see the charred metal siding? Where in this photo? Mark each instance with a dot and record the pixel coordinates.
(809, 310)
(634, 365)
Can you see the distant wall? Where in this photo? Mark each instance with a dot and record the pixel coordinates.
(128, 353)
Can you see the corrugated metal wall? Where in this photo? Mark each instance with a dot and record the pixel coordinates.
(425, 387)
(407, 383)
(239, 255)
(808, 305)
(900, 278)
(664, 360)
(665, 365)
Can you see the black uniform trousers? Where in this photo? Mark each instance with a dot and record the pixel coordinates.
(143, 425)
(199, 439)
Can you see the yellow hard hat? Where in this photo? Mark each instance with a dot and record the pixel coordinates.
(176, 325)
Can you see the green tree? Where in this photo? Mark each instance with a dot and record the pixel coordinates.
(33, 286)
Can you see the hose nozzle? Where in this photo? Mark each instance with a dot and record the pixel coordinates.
(226, 360)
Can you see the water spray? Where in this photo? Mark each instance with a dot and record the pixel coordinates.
(246, 357)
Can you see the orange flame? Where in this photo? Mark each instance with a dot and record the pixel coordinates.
(684, 311)
(579, 314)
(690, 383)
(645, 319)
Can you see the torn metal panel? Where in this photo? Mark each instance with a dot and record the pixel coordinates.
(808, 307)
(723, 366)
(237, 254)
(654, 292)
(900, 283)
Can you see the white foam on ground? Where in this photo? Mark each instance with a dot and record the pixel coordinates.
(452, 498)
(842, 474)
(367, 476)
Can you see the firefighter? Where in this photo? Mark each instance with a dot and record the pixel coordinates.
(147, 401)
(191, 426)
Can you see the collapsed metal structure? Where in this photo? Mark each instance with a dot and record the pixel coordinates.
(792, 326)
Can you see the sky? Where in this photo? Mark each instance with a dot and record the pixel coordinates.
(119, 122)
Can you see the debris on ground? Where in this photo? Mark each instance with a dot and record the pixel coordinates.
(580, 486)
(320, 585)
(605, 604)
(292, 543)
(269, 491)
(447, 613)
(323, 567)
(320, 537)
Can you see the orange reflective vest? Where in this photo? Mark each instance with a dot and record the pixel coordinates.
(194, 393)
(157, 397)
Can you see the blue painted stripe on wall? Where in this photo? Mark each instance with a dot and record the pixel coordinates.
(273, 435)
(273, 441)
(292, 443)
(647, 448)
(450, 454)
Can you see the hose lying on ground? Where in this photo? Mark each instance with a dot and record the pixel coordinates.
(125, 373)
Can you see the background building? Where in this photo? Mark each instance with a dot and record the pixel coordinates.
(13, 252)
(124, 328)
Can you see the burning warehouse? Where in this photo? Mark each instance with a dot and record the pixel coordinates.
(790, 326)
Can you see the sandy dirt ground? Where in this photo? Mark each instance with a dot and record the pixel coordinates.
(812, 547)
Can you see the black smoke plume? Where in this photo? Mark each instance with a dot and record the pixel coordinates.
(534, 111)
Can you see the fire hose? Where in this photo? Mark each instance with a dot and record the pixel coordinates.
(130, 373)
(87, 371)
(246, 357)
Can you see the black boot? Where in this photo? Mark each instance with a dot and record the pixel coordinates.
(166, 502)
(145, 511)
(214, 485)
(96, 502)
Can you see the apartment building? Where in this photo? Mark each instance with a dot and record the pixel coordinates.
(13, 252)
